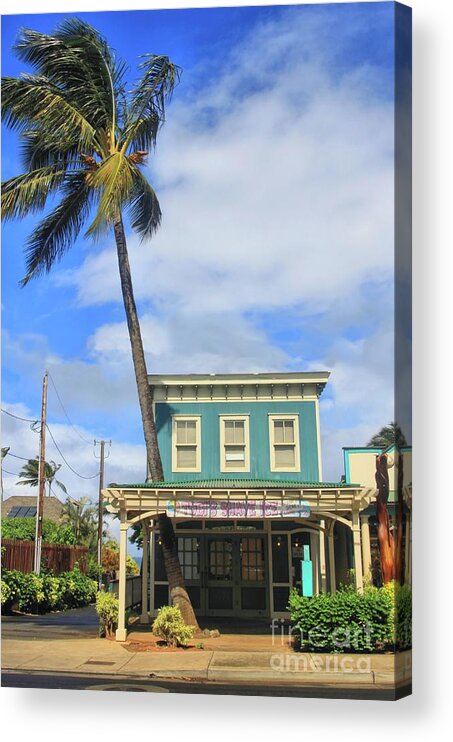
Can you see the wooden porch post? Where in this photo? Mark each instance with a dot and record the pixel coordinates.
(331, 550)
(366, 546)
(322, 556)
(121, 631)
(145, 564)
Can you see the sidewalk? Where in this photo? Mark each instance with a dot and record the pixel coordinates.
(221, 659)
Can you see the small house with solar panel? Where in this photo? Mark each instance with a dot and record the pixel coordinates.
(24, 506)
(244, 488)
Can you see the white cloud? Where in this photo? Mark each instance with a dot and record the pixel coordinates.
(276, 185)
(285, 198)
(125, 462)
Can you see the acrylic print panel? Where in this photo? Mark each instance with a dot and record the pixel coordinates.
(206, 282)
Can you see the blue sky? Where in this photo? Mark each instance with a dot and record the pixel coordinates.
(275, 176)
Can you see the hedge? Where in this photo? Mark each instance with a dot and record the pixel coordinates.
(377, 620)
(23, 529)
(31, 593)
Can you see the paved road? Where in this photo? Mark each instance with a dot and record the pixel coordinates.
(69, 681)
(82, 622)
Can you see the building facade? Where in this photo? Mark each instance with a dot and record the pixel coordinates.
(244, 487)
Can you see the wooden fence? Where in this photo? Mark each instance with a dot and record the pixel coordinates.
(17, 554)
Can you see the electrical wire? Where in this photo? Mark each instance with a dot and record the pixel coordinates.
(22, 458)
(66, 414)
(17, 417)
(66, 462)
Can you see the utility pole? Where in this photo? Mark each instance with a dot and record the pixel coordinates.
(100, 504)
(41, 477)
(4, 453)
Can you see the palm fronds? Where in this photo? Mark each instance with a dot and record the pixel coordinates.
(83, 137)
(28, 193)
(57, 231)
(146, 110)
(33, 100)
(144, 208)
(114, 180)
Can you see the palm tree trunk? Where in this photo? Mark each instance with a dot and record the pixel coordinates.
(138, 356)
(175, 577)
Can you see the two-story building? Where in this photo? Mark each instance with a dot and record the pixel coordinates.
(244, 487)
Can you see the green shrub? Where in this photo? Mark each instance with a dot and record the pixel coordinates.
(400, 615)
(5, 594)
(169, 625)
(39, 594)
(94, 570)
(343, 622)
(132, 567)
(107, 609)
(77, 589)
(23, 529)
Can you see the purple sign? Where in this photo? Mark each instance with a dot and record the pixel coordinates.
(238, 509)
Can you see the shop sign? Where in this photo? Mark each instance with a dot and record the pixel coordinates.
(237, 509)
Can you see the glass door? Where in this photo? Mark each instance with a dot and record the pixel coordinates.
(218, 576)
(251, 586)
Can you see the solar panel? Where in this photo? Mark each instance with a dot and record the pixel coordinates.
(22, 512)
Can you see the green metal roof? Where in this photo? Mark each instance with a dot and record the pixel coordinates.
(221, 484)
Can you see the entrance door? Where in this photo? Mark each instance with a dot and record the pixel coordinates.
(252, 591)
(219, 576)
(235, 579)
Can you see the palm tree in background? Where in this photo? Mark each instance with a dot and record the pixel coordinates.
(85, 137)
(389, 435)
(29, 474)
(81, 515)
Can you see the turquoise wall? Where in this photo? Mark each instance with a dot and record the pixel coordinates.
(259, 438)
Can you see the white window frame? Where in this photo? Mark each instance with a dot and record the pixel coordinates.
(272, 444)
(174, 458)
(245, 420)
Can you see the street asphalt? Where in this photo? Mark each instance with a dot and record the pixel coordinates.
(63, 650)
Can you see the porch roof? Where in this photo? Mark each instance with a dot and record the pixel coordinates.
(141, 501)
(237, 483)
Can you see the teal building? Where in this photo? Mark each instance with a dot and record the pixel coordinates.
(244, 487)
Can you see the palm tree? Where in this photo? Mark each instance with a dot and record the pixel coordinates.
(389, 435)
(81, 516)
(29, 474)
(85, 137)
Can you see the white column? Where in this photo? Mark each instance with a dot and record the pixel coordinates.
(366, 546)
(314, 543)
(121, 631)
(357, 546)
(331, 549)
(151, 571)
(144, 616)
(322, 556)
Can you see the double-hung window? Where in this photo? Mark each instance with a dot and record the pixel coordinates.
(186, 454)
(234, 443)
(284, 442)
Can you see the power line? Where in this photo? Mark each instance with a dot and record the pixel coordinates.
(9, 472)
(22, 458)
(67, 464)
(66, 414)
(17, 417)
